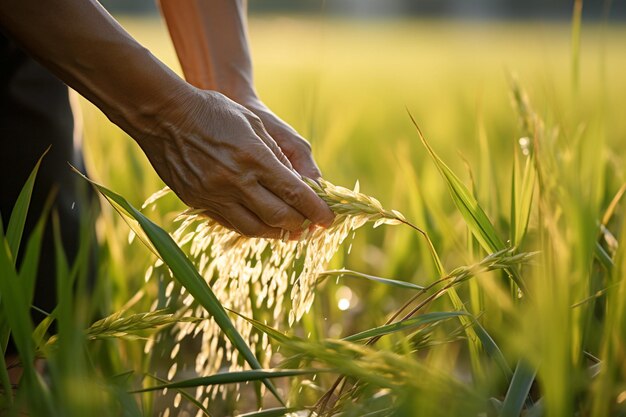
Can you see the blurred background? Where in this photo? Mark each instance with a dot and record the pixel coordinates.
(513, 9)
(345, 72)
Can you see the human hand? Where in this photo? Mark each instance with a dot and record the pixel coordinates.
(216, 155)
(294, 146)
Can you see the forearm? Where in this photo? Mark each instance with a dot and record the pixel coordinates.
(86, 48)
(211, 41)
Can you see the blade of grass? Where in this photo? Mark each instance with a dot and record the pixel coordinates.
(5, 330)
(405, 325)
(5, 381)
(185, 394)
(610, 210)
(522, 191)
(41, 329)
(482, 229)
(473, 214)
(30, 262)
(603, 257)
(271, 332)
(184, 271)
(340, 273)
(493, 350)
(16, 312)
(232, 378)
(518, 390)
(270, 412)
(477, 220)
(15, 228)
(15, 308)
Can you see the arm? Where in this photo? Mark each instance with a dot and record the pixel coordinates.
(211, 41)
(211, 151)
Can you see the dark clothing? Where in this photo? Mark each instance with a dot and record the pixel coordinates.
(35, 114)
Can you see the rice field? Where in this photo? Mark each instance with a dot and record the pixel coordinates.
(497, 291)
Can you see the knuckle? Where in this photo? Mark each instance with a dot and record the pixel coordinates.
(280, 218)
(247, 155)
(253, 155)
(292, 196)
(254, 120)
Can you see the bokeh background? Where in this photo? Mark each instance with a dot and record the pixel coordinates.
(344, 73)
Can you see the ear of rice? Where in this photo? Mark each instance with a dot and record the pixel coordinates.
(248, 274)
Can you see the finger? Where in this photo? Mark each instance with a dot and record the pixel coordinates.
(284, 234)
(286, 185)
(261, 132)
(248, 224)
(304, 164)
(272, 210)
(218, 218)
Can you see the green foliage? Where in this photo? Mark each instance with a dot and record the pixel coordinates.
(546, 211)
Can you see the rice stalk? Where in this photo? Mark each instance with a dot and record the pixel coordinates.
(257, 274)
(133, 326)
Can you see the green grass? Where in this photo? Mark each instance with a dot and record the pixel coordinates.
(486, 329)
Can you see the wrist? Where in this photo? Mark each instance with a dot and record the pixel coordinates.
(241, 92)
(144, 95)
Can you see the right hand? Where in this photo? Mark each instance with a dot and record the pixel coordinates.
(217, 156)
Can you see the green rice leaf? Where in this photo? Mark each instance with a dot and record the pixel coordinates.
(184, 271)
(14, 307)
(30, 262)
(187, 396)
(233, 378)
(518, 390)
(16, 312)
(15, 228)
(40, 331)
(64, 283)
(522, 191)
(271, 332)
(474, 216)
(405, 325)
(5, 381)
(493, 350)
(270, 412)
(602, 256)
(340, 273)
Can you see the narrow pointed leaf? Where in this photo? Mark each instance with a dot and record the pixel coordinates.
(5, 381)
(30, 262)
(233, 378)
(184, 271)
(473, 214)
(270, 412)
(493, 350)
(340, 273)
(405, 325)
(187, 396)
(518, 390)
(475, 217)
(15, 228)
(522, 190)
(271, 332)
(603, 257)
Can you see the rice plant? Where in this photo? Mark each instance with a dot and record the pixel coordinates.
(498, 292)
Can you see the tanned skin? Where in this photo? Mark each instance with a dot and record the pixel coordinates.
(213, 143)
